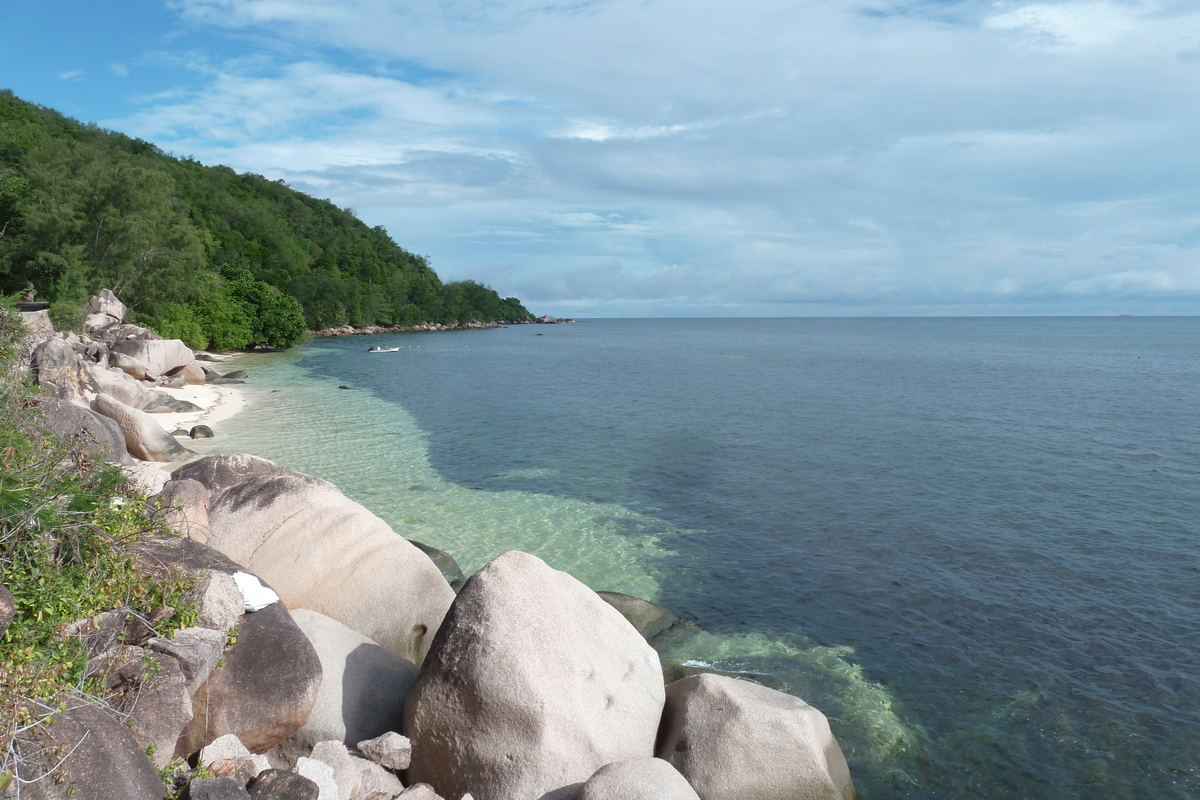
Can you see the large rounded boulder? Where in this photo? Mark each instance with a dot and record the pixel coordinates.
(322, 551)
(532, 684)
(263, 689)
(144, 438)
(362, 692)
(159, 355)
(643, 779)
(733, 739)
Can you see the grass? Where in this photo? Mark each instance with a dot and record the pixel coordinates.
(66, 520)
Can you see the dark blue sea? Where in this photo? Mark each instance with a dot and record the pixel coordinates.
(973, 543)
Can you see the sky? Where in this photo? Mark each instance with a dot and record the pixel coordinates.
(641, 158)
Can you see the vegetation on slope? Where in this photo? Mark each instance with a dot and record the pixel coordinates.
(65, 519)
(201, 253)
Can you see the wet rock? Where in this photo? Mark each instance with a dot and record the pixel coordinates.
(649, 619)
(445, 562)
(732, 739)
(201, 432)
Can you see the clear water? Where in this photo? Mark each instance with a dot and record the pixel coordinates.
(973, 543)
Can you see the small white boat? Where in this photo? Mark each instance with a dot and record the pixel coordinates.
(378, 349)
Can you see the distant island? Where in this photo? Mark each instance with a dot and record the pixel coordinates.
(202, 254)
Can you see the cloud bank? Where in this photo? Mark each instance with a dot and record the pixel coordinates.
(627, 157)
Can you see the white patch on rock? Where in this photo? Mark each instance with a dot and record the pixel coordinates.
(256, 595)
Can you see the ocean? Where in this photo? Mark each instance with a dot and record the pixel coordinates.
(974, 544)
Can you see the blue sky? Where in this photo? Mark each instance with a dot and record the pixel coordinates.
(672, 158)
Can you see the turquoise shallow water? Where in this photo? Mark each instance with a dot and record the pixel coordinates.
(972, 543)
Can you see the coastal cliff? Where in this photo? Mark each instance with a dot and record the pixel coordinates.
(305, 650)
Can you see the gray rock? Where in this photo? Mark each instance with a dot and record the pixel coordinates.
(237, 373)
(144, 438)
(375, 781)
(321, 774)
(649, 619)
(322, 551)
(196, 649)
(219, 788)
(390, 750)
(224, 381)
(160, 355)
(100, 435)
(641, 779)
(59, 370)
(201, 432)
(103, 760)
(419, 791)
(263, 692)
(163, 403)
(99, 632)
(106, 303)
(445, 562)
(183, 505)
(8, 609)
(151, 691)
(208, 357)
(222, 748)
(133, 367)
(362, 692)
(732, 739)
(192, 374)
(345, 771)
(276, 784)
(218, 600)
(531, 685)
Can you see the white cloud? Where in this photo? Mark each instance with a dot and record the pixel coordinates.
(798, 151)
(71, 75)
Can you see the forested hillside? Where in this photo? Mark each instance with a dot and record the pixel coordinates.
(201, 253)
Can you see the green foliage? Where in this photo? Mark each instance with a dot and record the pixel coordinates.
(67, 316)
(82, 208)
(65, 521)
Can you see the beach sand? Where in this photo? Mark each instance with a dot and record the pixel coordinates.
(217, 403)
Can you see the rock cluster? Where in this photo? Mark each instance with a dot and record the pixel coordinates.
(108, 381)
(349, 330)
(371, 679)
